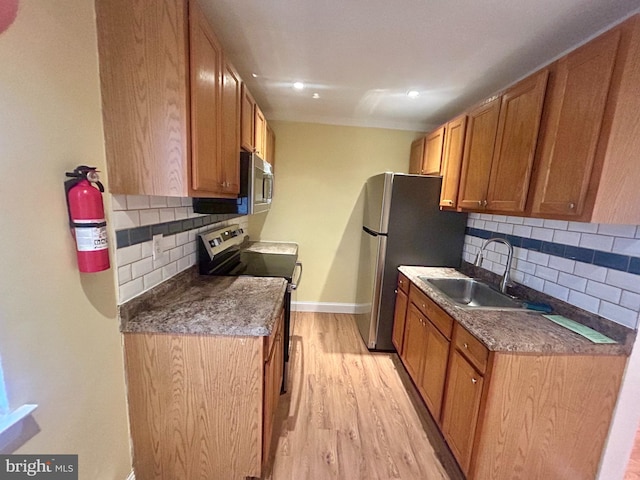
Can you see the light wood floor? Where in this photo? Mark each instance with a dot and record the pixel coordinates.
(633, 468)
(350, 414)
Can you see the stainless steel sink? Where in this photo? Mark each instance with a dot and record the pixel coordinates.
(470, 293)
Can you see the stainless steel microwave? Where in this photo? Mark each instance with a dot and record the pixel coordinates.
(256, 190)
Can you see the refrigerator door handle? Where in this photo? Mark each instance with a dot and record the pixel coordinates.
(372, 233)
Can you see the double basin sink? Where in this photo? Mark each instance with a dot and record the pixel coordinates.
(471, 293)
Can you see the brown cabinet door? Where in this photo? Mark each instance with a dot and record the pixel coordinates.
(273, 372)
(399, 318)
(452, 160)
(520, 112)
(230, 130)
(434, 370)
(479, 143)
(247, 132)
(578, 91)
(433, 152)
(461, 409)
(260, 132)
(206, 61)
(417, 154)
(414, 342)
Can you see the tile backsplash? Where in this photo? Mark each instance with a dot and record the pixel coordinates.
(136, 218)
(595, 267)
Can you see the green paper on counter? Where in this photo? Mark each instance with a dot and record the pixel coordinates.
(586, 332)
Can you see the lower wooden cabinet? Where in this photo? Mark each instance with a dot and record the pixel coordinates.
(399, 317)
(202, 406)
(415, 337)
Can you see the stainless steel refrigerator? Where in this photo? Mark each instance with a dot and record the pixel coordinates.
(403, 225)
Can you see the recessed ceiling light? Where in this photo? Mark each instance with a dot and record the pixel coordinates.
(298, 85)
(254, 75)
(413, 93)
(315, 95)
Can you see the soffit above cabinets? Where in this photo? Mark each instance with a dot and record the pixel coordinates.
(361, 57)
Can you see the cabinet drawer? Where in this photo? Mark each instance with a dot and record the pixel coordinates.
(472, 348)
(403, 283)
(438, 317)
(269, 341)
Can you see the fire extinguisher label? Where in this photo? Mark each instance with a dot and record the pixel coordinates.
(90, 239)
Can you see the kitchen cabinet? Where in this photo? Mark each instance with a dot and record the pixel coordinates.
(452, 161)
(432, 159)
(247, 120)
(271, 147)
(400, 312)
(260, 132)
(163, 100)
(416, 156)
(502, 412)
(500, 146)
(202, 403)
(586, 166)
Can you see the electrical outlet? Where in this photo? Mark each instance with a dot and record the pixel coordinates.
(157, 246)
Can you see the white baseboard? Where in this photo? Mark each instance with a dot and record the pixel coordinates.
(132, 476)
(326, 307)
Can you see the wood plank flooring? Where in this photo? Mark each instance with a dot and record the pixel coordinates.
(350, 414)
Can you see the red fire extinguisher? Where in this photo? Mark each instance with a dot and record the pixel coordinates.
(86, 218)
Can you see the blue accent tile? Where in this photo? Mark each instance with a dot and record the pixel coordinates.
(160, 229)
(187, 225)
(175, 227)
(611, 260)
(532, 244)
(139, 235)
(197, 222)
(551, 248)
(122, 238)
(634, 265)
(486, 234)
(578, 253)
(515, 240)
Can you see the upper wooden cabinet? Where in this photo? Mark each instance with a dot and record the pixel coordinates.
(579, 116)
(433, 152)
(260, 132)
(500, 147)
(164, 96)
(452, 161)
(416, 156)
(230, 131)
(247, 120)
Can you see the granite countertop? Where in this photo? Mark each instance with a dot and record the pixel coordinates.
(520, 331)
(192, 304)
(283, 248)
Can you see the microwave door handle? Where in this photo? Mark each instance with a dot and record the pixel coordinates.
(268, 187)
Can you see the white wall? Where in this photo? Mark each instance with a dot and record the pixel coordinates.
(59, 337)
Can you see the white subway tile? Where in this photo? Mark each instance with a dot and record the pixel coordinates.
(189, 248)
(627, 281)
(147, 249)
(524, 266)
(586, 302)
(476, 241)
(597, 242)
(556, 224)
(542, 234)
(193, 214)
(174, 201)
(125, 219)
(522, 231)
(630, 300)
(538, 258)
(505, 228)
(473, 215)
(618, 314)
(533, 282)
(517, 276)
(181, 213)
(161, 261)
(192, 235)
(520, 253)
(150, 216)
(167, 215)
(556, 291)
(152, 279)
(124, 274)
(591, 272)
(129, 254)
(500, 218)
(141, 267)
(157, 202)
(118, 202)
(562, 264)
(170, 270)
(137, 202)
(184, 263)
(515, 220)
(572, 281)
(603, 291)
(130, 289)
(534, 222)
(546, 273)
(491, 226)
(192, 259)
(467, 257)
(566, 238)
(168, 242)
(186, 201)
(627, 246)
(496, 257)
(583, 227)
(175, 254)
(628, 231)
(485, 216)
(182, 238)
(481, 224)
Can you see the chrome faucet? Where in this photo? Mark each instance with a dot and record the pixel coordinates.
(505, 277)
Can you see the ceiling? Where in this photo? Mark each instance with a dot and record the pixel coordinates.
(362, 56)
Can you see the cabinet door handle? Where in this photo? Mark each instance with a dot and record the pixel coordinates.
(572, 206)
(465, 345)
(450, 202)
(474, 381)
(479, 203)
(484, 203)
(424, 307)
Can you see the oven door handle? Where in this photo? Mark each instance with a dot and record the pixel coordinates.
(294, 285)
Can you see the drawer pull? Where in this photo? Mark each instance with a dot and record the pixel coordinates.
(474, 381)
(465, 345)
